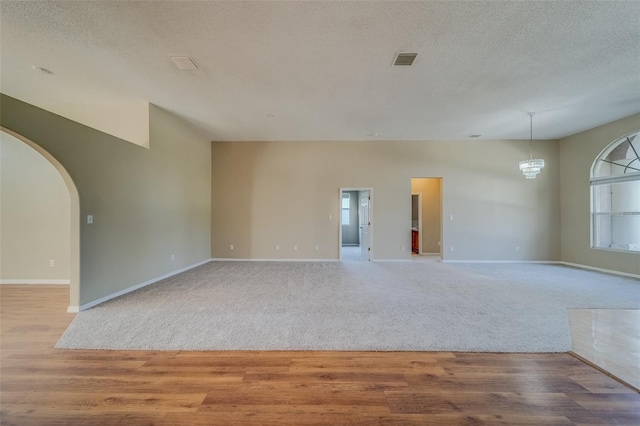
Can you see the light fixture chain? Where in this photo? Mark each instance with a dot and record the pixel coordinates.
(531, 135)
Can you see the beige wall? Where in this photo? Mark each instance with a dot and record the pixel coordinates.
(128, 121)
(431, 212)
(577, 154)
(257, 188)
(147, 204)
(35, 216)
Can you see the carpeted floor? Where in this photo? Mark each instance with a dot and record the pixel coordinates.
(406, 306)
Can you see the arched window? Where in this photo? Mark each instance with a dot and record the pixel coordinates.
(615, 195)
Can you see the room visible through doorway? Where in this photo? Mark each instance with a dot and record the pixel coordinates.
(426, 217)
(355, 224)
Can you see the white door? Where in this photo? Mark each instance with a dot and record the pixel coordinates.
(365, 224)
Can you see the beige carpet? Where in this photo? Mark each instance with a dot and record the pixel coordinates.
(421, 306)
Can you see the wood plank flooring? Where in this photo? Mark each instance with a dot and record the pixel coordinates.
(40, 385)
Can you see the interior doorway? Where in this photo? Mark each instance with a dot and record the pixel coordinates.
(74, 218)
(426, 217)
(356, 224)
(416, 223)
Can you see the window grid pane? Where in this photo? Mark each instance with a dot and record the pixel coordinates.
(616, 215)
(345, 216)
(346, 200)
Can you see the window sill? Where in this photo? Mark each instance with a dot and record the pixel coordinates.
(616, 250)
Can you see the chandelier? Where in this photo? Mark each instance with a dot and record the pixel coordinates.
(531, 167)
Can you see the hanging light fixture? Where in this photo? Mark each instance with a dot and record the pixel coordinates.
(531, 167)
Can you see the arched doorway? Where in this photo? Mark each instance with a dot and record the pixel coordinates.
(74, 226)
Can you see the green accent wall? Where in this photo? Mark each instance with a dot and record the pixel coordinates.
(147, 204)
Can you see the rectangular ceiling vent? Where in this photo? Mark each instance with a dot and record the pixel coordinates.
(404, 59)
(184, 62)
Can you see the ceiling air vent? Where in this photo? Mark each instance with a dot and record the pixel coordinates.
(405, 59)
(184, 62)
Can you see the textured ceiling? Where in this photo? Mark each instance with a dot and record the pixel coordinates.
(322, 70)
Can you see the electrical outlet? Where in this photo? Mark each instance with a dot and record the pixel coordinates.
(295, 248)
(450, 217)
(173, 257)
(230, 246)
(438, 243)
(402, 247)
(52, 263)
(330, 217)
(517, 248)
(451, 249)
(316, 248)
(90, 218)
(277, 247)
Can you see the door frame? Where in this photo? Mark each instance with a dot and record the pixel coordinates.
(419, 194)
(442, 217)
(347, 189)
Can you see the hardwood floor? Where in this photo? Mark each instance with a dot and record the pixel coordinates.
(40, 385)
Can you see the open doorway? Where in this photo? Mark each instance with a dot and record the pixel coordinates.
(426, 217)
(356, 230)
(416, 223)
(41, 245)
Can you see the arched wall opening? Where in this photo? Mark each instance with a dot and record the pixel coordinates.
(74, 219)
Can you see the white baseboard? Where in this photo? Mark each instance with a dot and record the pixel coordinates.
(552, 262)
(225, 259)
(593, 268)
(133, 288)
(236, 259)
(391, 260)
(39, 281)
